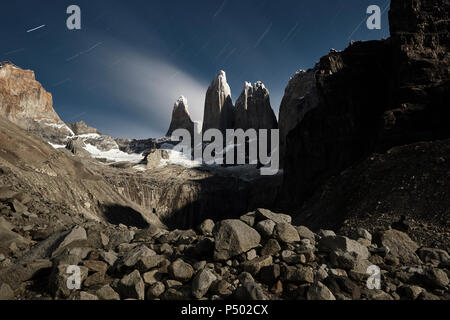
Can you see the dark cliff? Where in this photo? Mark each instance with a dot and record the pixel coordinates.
(370, 97)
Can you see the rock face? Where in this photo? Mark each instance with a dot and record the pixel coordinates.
(301, 95)
(26, 103)
(181, 119)
(368, 98)
(253, 110)
(219, 109)
(59, 178)
(81, 127)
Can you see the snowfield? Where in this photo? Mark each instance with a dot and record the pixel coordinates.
(113, 155)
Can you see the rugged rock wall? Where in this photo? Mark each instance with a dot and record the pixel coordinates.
(219, 109)
(253, 109)
(55, 177)
(370, 97)
(81, 127)
(26, 103)
(183, 198)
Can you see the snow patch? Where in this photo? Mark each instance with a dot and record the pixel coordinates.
(113, 155)
(57, 146)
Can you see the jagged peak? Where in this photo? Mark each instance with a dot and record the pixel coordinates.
(181, 101)
(222, 74)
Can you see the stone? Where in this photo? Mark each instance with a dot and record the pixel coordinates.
(207, 227)
(318, 291)
(435, 278)
(249, 218)
(86, 296)
(432, 255)
(181, 270)
(149, 262)
(6, 293)
(234, 237)
(299, 275)
(132, 286)
(410, 291)
(344, 244)
(96, 266)
(9, 238)
(305, 233)
(250, 291)
(250, 255)
(133, 256)
(246, 277)
(254, 266)
(400, 245)
(202, 282)
(181, 119)
(271, 248)
(110, 257)
(94, 279)
(363, 233)
(220, 287)
(326, 233)
(286, 233)
(120, 237)
(270, 274)
(219, 109)
(378, 295)
(59, 278)
(77, 237)
(155, 157)
(265, 228)
(155, 290)
(107, 293)
(152, 276)
(264, 214)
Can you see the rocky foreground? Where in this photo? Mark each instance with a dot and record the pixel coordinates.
(259, 256)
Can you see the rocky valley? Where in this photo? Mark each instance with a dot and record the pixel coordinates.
(363, 194)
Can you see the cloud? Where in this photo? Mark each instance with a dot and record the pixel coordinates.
(148, 85)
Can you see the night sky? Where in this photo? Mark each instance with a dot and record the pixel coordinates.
(132, 59)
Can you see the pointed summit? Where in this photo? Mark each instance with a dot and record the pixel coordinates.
(253, 110)
(181, 119)
(219, 109)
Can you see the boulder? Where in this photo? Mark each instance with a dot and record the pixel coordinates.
(344, 244)
(286, 233)
(264, 214)
(77, 237)
(254, 266)
(181, 271)
(234, 237)
(207, 227)
(318, 291)
(265, 228)
(132, 286)
(400, 245)
(250, 291)
(107, 293)
(202, 282)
